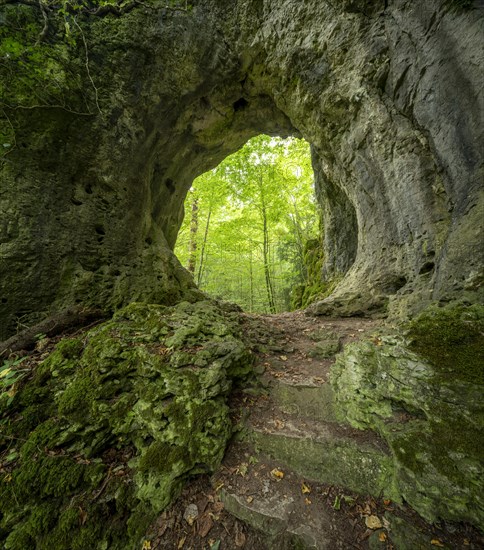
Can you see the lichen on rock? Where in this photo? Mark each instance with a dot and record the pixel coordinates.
(423, 394)
(110, 426)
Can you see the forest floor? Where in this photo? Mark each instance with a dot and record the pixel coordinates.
(286, 351)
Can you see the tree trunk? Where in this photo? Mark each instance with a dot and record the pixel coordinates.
(192, 247)
(202, 252)
(270, 290)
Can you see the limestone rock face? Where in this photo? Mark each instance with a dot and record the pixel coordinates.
(387, 93)
(423, 394)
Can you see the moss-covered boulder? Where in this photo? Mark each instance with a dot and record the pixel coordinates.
(104, 433)
(423, 393)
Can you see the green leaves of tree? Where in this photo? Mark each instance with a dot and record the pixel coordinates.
(255, 212)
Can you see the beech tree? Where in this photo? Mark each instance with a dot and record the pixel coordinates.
(253, 215)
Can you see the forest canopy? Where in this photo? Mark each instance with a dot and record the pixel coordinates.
(249, 225)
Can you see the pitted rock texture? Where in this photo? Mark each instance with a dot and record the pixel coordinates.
(423, 394)
(106, 430)
(388, 94)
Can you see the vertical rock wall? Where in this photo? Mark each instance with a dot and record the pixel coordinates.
(389, 94)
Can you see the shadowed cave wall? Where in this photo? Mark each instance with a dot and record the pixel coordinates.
(388, 94)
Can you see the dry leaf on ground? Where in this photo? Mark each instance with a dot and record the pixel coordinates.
(373, 522)
(278, 474)
(305, 489)
(205, 523)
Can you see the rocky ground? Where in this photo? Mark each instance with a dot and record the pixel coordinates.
(285, 477)
(270, 491)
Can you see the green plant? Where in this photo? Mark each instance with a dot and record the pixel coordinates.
(10, 375)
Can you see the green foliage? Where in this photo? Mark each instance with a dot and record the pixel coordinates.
(10, 375)
(34, 72)
(256, 211)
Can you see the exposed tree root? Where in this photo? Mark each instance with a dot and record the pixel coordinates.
(51, 326)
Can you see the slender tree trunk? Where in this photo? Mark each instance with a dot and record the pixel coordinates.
(204, 243)
(192, 248)
(267, 273)
(299, 242)
(251, 282)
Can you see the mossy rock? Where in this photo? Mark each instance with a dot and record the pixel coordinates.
(421, 389)
(451, 339)
(125, 422)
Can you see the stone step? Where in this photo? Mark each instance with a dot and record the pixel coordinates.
(304, 399)
(275, 516)
(276, 505)
(325, 451)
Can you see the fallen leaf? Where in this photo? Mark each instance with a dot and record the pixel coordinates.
(305, 489)
(205, 523)
(147, 545)
(382, 537)
(278, 474)
(218, 507)
(307, 500)
(373, 522)
(181, 542)
(242, 469)
(436, 542)
(279, 424)
(239, 539)
(202, 504)
(467, 542)
(215, 545)
(82, 516)
(283, 358)
(337, 503)
(387, 502)
(249, 499)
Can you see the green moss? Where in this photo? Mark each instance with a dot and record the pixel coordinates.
(70, 348)
(427, 403)
(120, 392)
(452, 340)
(19, 540)
(139, 521)
(160, 457)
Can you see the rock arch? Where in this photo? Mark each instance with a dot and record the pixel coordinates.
(386, 92)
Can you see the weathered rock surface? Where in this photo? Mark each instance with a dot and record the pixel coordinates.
(105, 432)
(428, 406)
(388, 93)
(416, 404)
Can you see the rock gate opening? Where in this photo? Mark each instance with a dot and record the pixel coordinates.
(252, 228)
(93, 209)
